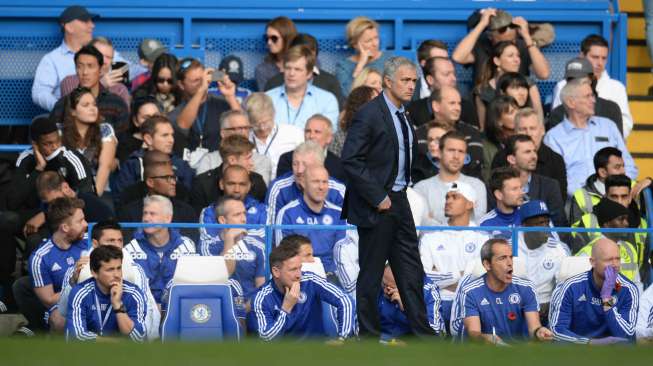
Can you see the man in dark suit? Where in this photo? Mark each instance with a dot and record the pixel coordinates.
(440, 72)
(377, 156)
(318, 129)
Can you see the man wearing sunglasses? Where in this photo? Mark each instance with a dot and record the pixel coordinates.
(491, 26)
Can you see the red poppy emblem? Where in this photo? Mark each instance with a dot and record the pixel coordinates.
(617, 286)
(512, 315)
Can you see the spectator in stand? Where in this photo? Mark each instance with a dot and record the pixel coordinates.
(369, 77)
(271, 139)
(159, 179)
(522, 157)
(235, 183)
(446, 106)
(110, 79)
(88, 65)
(279, 33)
(298, 99)
(289, 186)
(549, 163)
(130, 138)
(498, 306)
(287, 305)
(234, 150)
(313, 208)
(428, 164)
(581, 134)
(500, 126)
(148, 51)
(596, 49)
(439, 73)
(505, 59)
(233, 67)
(158, 135)
(596, 307)
(453, 150)
(428, 49)
(321, 78)
(244, 253)
(445, 254)
(488, 27)
(84, 131)
(196, 117)
(517, 86)
(235, 123)
(163, 85)
(506, 187)
(124, 302)
(356, 99)
(581, 68)
(49, 263)
(317, 129)
(541, 251)
(363, 37)
(156, 249)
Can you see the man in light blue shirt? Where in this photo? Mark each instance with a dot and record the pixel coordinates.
(77, 26)
(298, 99)
(581, 134)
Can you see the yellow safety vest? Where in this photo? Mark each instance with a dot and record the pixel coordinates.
(628, 254)
(586, 200)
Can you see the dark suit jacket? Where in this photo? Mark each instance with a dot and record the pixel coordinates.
(138, 191)
(332, 163)
(603, 108)
(420, 112)
(369, 157)
(323, 80)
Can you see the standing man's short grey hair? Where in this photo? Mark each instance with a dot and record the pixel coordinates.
(393, 64)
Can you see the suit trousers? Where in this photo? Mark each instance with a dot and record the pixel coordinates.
(393, 238)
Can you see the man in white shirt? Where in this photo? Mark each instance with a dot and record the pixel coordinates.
(445, 254)
(595, 49)
(453, 152)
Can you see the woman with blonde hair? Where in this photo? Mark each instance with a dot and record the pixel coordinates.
(369, 77)
(363, 38)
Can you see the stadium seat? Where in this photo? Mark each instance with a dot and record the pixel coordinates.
(200, 305)
(572, 266)
(328, 317)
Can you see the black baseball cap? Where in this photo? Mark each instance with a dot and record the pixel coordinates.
(76, 12)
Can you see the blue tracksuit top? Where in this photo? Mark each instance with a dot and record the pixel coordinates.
(284, 189)
(297, 212)
(256, 214)
(85, 322)
(577, 314)
(394, 322)
(269, 321)
(159, 264)
(498, 218)
(48, 264)
(503, 311)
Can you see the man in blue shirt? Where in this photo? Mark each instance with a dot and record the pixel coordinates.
(49, 263)
(581, 134)
(235, 183)
(598, 306)
(290, 304)
(288, 187)
(298, 99)
(498, 306)
(106, 305)
(506, 186)
(313, 208)
(244, 254)
(156, 249)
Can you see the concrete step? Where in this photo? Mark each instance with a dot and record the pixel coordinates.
(645, 166)
(642, 111)
(640, 141)
(637, 55)
(638, 80)
(636, 27)
(631, 6)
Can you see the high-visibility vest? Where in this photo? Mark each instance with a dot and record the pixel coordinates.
(586, 200)
(627, 252)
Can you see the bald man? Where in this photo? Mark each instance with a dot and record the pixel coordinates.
(313, 208)
(598, 306)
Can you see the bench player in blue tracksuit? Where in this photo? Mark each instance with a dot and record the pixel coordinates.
(289, 305)
(598, 306)
(498, 306)
(105, 305)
